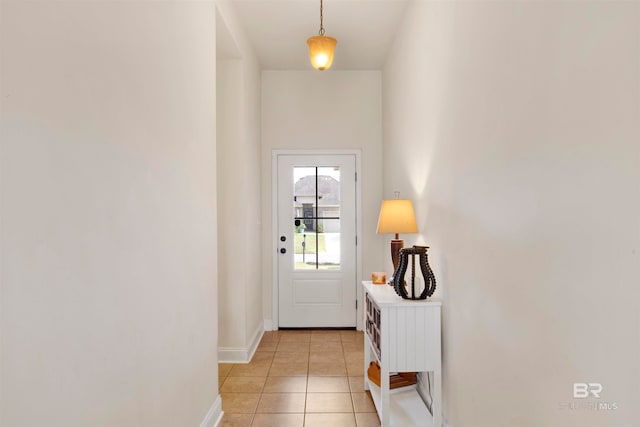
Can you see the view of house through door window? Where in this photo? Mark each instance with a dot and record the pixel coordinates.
(316, 204)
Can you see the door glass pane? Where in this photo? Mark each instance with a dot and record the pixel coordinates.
(304, 197)
(305, 249)
(329, 255)
(316, 204)
(329, 187)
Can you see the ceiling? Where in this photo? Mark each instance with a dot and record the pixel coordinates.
(278, 30)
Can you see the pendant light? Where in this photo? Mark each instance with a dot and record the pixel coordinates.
(321, 48)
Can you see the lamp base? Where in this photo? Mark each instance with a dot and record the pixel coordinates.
(396, 245)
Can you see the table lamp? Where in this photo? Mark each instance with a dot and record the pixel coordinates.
(396, 216)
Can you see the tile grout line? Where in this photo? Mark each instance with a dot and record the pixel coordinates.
(306, 389)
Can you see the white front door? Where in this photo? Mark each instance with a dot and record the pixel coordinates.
(316, 217)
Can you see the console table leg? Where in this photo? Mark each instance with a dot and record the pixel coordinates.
(437, 398)
(386, 401)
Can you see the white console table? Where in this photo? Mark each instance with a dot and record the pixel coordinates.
(403, 336)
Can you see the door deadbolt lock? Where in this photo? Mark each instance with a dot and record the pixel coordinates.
(283, 239)
(283, 251)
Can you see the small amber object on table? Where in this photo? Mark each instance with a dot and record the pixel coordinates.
(378, 278)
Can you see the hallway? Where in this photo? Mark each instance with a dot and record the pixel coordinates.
(299, 378)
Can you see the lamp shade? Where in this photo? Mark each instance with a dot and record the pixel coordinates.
(396, 216)
(321, 49)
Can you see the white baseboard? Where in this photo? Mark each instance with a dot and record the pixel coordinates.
(214, 416)
(241, 354)
(268, 325)
(255, 340)
(233, 355)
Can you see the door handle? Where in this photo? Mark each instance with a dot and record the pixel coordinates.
(283, 251)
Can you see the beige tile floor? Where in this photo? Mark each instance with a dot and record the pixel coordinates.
(299, 379)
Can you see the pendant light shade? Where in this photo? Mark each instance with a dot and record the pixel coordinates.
(321, 49)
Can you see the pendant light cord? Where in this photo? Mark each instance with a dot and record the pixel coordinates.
(321, 32)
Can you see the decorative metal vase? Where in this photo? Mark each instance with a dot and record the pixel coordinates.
(408, 291)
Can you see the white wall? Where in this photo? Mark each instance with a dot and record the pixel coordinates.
(231, 274)
(515, 127)
(239, 198)
(305, 110)
(109, 311)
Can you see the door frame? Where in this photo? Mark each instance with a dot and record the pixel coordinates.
(274, 227)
